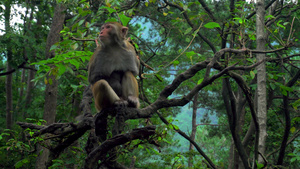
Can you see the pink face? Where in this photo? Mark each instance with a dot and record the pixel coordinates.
(104, 33)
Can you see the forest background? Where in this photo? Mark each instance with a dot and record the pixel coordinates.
(219, 85)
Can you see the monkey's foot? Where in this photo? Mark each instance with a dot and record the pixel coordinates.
(121, 103)
(133, 102)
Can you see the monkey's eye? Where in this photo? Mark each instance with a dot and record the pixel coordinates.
(108, 26)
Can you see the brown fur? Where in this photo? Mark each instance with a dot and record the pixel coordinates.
(112, 69)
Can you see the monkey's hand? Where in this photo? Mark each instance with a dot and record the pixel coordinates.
(97, 44)
(133, 102)
(121, 103)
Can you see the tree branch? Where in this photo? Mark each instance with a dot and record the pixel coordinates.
(211, 164)
(22, 65)
(95, 155)
(192, 25)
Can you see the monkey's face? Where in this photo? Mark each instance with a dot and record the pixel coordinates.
(106, 33)
(112, 32)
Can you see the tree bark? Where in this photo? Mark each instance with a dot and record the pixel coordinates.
(9, 77)
(194, 127)
(21, 88)
(31, 73)
(30, 85)
(52, 85)
(287, 120)
(261, 78)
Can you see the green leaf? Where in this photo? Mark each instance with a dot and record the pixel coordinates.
(80, 22)
(19, 164)
(190, 54)
(250, 60)
(111, 20)
(296, 104)
(53, 47)
(280, 25)
(159, 77)
(259, 166)
(166, 141)
(293, 129)
(286, 88)
(124, 19)
(252, 37)
(188, 31)
(270, 16)
(200, 81)
(212, 25)
(155, 151)
(170, 126)
(75, 63)
(147, 150)
(110, 10)
(284, 92)
(175, 63)
(50, 81)
(285, 23)
(252, 74)
(74, 46)
(272, 85)
(61, 69)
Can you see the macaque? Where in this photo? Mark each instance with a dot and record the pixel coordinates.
(112, 69)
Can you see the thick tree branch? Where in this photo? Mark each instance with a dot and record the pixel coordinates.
(95, 155)
(287, 120)
(296, 135)
(240, 81)
(286, 130)
(294, 79)
(22, 65)
(162, 101)
(230, 105)
(209, 12)
(59, 130)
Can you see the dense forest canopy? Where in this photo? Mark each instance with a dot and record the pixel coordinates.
(218, 85)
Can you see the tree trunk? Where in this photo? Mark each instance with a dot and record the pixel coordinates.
(9, 77)
(261, 78)
(31, 73)
(52, 85)
(30, 85)
(21, 88)
(194, 127)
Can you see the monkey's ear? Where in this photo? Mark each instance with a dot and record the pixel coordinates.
(124, 31)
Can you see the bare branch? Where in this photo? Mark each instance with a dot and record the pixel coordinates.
(95, 155)
(191, 24)
(211, 164)
(83, 40)
(22, 65)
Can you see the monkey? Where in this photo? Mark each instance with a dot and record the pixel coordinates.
(112, 69)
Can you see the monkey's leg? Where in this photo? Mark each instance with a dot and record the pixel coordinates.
(130, 89)
(104, 95)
